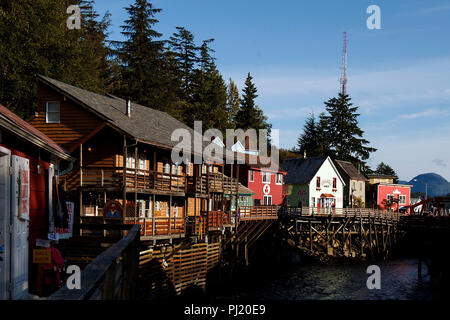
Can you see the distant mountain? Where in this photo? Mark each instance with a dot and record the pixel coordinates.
(437, 185)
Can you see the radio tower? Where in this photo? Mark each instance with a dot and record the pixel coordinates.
(343, 79)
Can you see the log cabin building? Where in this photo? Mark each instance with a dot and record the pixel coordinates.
(124, 171)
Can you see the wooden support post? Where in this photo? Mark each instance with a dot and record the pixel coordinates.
(81, 184)
(361, 234)
(246, 252)
(170, 216)
(310, 235)
(124, 182)
(153, 216)
(136, 166)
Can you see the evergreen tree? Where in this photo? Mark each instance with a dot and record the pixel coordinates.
(346, 140)
(386, 169)
(141, 56)
(209, 96)
(249, 114)
(185, 53)
(36, 40)
(307, 142)
(233, 103)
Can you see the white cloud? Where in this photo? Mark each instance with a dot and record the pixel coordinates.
(423, 114)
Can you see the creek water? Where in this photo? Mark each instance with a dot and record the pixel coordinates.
(314, 281)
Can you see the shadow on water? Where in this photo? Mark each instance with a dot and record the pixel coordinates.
(333, 281)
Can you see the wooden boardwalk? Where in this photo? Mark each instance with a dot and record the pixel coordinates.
(342, 232)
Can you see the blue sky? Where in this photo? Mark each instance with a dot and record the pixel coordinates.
(398, 76)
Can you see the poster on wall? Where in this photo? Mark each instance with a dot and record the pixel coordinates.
(62, 229)
(65, 232)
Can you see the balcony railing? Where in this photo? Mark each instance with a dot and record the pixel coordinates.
(258, 212)
(212, 182)
(159, 226)
(112, 177)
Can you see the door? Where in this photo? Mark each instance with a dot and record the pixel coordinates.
(4, 223)
(20, 196)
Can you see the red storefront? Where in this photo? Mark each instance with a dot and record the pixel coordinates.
(266, 184)
(393, 196)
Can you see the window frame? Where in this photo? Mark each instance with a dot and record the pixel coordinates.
(251, 175)
(266, 174)
(267, 196)
(318, 182)
(404, 197)
(334, 183)
(47, 112)
(281, 178)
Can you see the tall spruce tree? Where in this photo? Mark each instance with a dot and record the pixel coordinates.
(307, 142)
(233, 103)
(209, 96)
(249, 114)
(141, 56)
(314, 139)
(185, 53)
(346, 140)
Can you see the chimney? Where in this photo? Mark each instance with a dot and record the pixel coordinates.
(128, 111)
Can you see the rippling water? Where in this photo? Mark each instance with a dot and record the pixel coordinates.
(399, 281)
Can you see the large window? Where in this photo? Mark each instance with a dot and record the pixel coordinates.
(402, 199)
(267, 200)
(52, 112)
(279, 179)
(390, 198)
(318, 182)
(334, 183)
(251, 175)
(266, 177)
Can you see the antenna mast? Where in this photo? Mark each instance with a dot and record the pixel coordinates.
(343, 79)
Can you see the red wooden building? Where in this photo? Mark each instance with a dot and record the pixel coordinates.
(28, 163)
(393, 196)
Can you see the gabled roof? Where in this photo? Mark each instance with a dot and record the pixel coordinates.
(350, 170)
(19, 127)
(301, 171)
(145, 124)
(244, 190)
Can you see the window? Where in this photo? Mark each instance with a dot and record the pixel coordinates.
(334, 183)
(203, 169)
(401, 199)
(318, 182)
(313, 202)
(251, 175)
(52, 112)
(267, 200)
(390, 197)
(279, 179)
(360, 186)
(266, 177)
(166, 168)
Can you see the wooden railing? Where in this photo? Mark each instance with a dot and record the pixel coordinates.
(112, 177)
(211, 219)
(212, 182)
(158, 226)
(327, 211)
(110, 276)
(257, 212)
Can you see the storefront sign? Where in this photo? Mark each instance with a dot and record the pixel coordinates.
(42, 256)
(266, 189)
